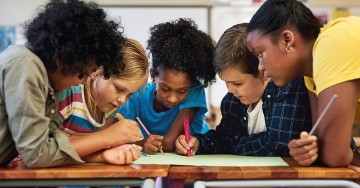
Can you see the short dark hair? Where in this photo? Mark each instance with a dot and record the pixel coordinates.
(231, 51)
(274, 15)
(180, 46)
(76, 33)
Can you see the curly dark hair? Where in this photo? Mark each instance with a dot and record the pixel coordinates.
(76, 33)
(180, 46)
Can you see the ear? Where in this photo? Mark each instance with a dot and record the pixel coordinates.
(287, 38)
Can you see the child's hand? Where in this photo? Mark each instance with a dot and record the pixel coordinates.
(127, 131)
(153, 144)
(120, 155)
(182, 146)
(305, 149)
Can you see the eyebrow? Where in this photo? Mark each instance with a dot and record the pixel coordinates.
(232, 82)
(121, 87)
(186, 87)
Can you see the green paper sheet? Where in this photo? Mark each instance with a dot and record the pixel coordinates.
(210, 160)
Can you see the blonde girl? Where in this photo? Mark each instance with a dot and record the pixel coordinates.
(86, 110)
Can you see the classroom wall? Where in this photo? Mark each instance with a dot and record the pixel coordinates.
(137, 16)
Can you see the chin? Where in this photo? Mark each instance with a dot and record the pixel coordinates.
(279, 83)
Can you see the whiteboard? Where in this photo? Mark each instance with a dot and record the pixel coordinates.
(138, 20)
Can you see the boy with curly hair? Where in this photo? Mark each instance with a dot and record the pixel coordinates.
(66, 41)
(182, 67)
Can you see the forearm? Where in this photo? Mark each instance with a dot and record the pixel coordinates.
(93, 142)
(208, 144)
(335, 152)
(168, 144)
(257, 145)
(231, 137)
(337, 123)
(94, 157)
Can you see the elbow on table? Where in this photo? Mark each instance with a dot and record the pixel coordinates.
(34, 164)
(337, 159)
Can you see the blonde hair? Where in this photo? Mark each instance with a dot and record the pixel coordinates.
(136, 67)
(136, 62)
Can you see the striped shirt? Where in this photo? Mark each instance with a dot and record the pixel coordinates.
(74, 114)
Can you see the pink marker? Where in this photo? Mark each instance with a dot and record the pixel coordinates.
(187, 132)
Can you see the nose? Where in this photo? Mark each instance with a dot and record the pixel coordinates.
(121, 99)
(230, 88)
(172, 98)
(261, 67)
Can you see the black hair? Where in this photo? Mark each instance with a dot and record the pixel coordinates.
(274, 15)
(231, 50)
(77, 34)
(180, 46)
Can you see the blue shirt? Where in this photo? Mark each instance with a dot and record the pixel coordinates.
(141, 104)
(287, 113)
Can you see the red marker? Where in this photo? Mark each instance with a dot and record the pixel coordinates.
(187, 132)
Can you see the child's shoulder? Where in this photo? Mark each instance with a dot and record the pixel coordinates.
(73, 90)
(297, 86)
(17, 55)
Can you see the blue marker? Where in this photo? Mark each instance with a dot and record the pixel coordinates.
(144, 154)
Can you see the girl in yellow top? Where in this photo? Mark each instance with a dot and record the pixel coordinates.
(289, 42)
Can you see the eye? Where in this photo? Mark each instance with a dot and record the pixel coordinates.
(164, 88)
(237, 84)
(259, 55)
(183, 91)
(119, 89)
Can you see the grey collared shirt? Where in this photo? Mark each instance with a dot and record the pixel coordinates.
(29, 124)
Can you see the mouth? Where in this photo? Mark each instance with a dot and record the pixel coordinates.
(114, 105)
(167, 105)
(267, 76)
(238, 97)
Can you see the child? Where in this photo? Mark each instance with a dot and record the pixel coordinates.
(65, 42)
(84, 109)
(181, 68)
(289, 42)
(258, 118)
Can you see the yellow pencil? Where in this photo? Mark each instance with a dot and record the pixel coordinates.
(119, 116)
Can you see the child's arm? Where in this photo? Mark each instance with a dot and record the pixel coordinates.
(177, 128)
(338, 123)
(232, 127)
(124, 154)
(126, 131)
